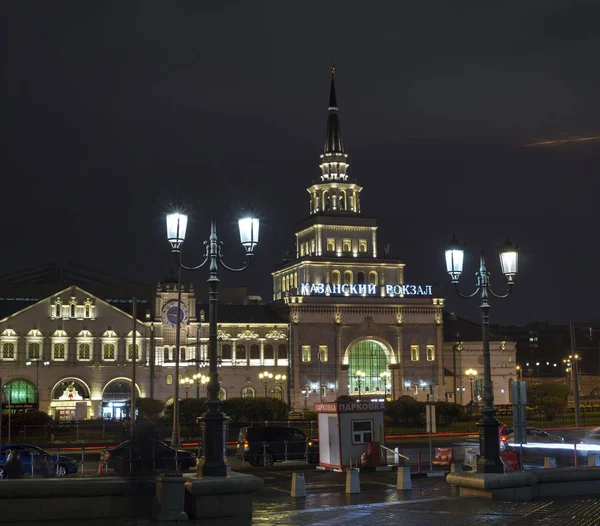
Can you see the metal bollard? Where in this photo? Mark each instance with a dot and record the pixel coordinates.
(575, 452)
(265, 455)
(306, 450)
(298, 486)
(82, 460)
(418, 461)
(352, 481)
(285, 444)
(403, 482)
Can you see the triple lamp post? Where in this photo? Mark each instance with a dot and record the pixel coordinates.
(266, 377)
(196, 379)
(214, 419)
(489, 440)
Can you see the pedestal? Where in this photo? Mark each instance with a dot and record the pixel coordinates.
(352, 481)
(170, 498)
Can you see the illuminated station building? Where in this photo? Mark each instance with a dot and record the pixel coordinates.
(343, 321)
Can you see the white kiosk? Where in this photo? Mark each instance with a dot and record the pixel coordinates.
(350, 435)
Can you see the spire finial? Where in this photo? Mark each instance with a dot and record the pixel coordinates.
(333, 69)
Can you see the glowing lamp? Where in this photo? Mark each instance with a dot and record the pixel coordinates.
(176, 227)
(509, 260)
(455, 254)
(249, 233)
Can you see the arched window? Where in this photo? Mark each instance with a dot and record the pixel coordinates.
(369, 357)
(248, 392)
(254, 352)
(343, 201)
(108, 351)
(373, 277)
(240, 352)
(169, 379)
(226, 352)
(282, 351)
(222, 394)
(84, 351)
(130, 351)
(268, 352)
(360, 278)
(8, 351)
(182, 354)
(87, 310)
(166, 354)
(59, 351)
(348, 277)
(20, 391)
(33, 351)
(276, 392)
(72, 310)
(335, 277)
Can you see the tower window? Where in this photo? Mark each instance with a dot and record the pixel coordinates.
(414, 353)
(362, 245)
(346, 245)
(373, 278)
(330, 245)
(348, 277)
(323, 353)
(312, 246)
(335, 277)
(430, 353)
(360, 278)
(306, 353)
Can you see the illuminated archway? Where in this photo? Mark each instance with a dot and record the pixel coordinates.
(371, 356)
(20, 394)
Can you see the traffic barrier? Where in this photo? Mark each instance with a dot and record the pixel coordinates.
(403, 482)
(444, 456)
(549, 462)
(298, 486)
(352, 481)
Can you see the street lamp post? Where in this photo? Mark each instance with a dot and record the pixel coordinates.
(385, 377)
(306, 393)
(280, 380)
(519, 373)
(213, 418)
(572, 362)
(265, 379)
(37, 375)
(471, 374)
(360, 377)
(489, 440)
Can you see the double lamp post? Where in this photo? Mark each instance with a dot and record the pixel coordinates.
(213, 439)
(489, 441)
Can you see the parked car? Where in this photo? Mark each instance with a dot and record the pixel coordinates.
(262, 446)
(148, 455)
(36, 461)
(535, 434)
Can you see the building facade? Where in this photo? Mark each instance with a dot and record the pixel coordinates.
(343, 320)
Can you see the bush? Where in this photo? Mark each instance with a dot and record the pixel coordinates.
(189, 410)
(405, 410)
(28, 418)
(551, 399)
(310, 415)
(255, 409)
(149, 407)
(447, 412)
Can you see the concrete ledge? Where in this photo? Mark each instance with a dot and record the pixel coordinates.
(526, 486)
(229, 496)
(43, 500)
(491, 481)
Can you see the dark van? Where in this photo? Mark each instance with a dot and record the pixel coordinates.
(262, 446)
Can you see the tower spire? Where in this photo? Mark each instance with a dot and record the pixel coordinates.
(333, 135)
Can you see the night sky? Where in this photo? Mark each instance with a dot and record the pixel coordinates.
(109, 111)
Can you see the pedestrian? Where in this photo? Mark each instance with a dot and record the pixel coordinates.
(13, 469)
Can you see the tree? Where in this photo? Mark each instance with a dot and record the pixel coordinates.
(405, 410)
(549, 398)
(149, 407)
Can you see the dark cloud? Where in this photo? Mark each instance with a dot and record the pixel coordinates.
(111, 110)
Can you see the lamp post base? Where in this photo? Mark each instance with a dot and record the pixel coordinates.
(214, 442)
(489, 447)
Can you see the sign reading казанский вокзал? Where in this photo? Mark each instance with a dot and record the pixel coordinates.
(327, 289)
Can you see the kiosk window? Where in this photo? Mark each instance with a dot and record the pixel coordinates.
(362, 431)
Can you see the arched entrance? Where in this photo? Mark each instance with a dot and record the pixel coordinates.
(370, 358)
(116, 399)
(70, 399)
(20, 395)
